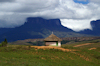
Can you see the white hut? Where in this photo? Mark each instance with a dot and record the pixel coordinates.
(52, 40)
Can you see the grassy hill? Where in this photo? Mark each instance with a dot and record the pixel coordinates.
(23, 55)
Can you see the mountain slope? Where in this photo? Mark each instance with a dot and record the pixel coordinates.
(3, 30)
(37, 27)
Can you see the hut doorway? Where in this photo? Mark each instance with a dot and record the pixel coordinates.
(56, 43)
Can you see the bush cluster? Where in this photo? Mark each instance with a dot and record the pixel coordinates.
(4, 43)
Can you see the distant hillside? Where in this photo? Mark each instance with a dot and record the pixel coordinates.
(4, 30)
(40, 42)
(37, 27)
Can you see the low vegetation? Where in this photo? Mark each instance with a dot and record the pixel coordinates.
(37, 43)
(25, 55)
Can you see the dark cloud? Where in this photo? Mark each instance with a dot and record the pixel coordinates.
(7, 0)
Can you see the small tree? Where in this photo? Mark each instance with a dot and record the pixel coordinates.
(4, 43)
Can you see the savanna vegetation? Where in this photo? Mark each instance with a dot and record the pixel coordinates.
(25, 55)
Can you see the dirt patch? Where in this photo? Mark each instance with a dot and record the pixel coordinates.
(82, 45)
(59, 48)
(92, 48)
(50, 47)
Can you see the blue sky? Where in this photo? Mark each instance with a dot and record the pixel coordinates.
(82, 1)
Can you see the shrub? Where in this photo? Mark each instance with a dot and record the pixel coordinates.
(4, 43)
(0, 45)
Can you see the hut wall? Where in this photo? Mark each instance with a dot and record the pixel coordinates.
(50, 43)
(53, 44)
(59, 44)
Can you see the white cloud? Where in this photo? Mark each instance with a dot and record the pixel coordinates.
(73, 15)
(77, 25)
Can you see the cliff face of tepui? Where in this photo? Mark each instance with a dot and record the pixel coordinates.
(37, 27)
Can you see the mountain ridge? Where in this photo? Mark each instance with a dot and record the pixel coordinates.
(37, 27)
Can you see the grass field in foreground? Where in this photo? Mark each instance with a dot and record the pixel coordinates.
(25, 56)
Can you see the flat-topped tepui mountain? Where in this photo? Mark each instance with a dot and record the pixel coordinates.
(37, 27)
(95, 29)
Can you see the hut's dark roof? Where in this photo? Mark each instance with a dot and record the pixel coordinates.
(52, 37)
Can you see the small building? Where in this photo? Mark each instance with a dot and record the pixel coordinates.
(52, 40)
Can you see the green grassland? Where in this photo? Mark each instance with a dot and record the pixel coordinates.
(23, 55)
